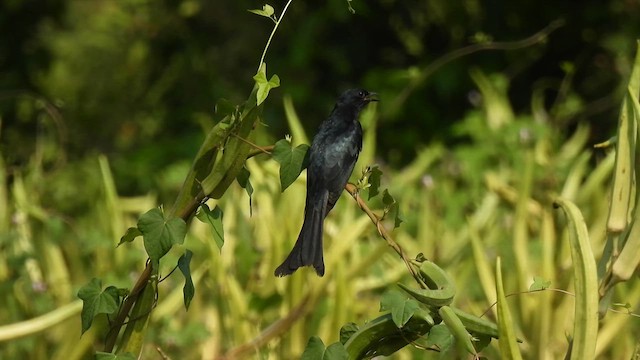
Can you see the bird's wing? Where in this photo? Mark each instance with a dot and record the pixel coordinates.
(338, 169)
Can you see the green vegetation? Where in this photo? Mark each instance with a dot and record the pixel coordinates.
(513, 238)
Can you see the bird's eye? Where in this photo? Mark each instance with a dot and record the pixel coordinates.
(361, 94)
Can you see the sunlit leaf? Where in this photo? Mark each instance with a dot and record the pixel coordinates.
(539, 284)
(264, 86)
(266, 11)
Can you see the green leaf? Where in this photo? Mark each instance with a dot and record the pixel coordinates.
(481, 341)
(243, 181)
(110, 356)
(390, 299)
(130, 235)
(391, 208)
(266, 11)
(440, 336)
(160, 233)
(336, 351)
(188, 290)
(401, 307)
(315, 350)
(96, 301)
(264, 86)
(214, 219)
(347, 330)
(225, 107)
(292, 161)
(539, 284)
(374, 181)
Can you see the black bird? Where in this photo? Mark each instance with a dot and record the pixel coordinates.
(332, 156)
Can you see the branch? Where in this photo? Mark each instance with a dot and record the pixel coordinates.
(376, 220)
(128, 303)
(259, 149)
(283, 325)
(468, 50)
(273, 331)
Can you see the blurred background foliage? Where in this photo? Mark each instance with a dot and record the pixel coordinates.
(104, 104)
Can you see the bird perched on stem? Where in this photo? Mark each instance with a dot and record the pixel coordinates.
(332, 156)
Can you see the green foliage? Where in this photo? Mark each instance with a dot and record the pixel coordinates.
(160, 233)
(266, 11)
(243, 181)
(184, 264)
(97, 301)
(483, 194)
(264, 85)
(316, 350)
(131, 234)
(374, 181)
(347, 330)
(214, 219)
(391, 208)
(440, 338)
(539, 284)
(292, 161)
(400, 307)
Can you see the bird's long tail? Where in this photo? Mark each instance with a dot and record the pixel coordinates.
(308, 248)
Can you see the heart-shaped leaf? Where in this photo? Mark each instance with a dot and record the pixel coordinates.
(292, 161)
(160, 233)
(96, 301)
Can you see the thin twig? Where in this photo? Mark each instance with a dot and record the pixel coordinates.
(258, 148)
(261, 150)
(468, 50)
(274, 330)
(353, 190)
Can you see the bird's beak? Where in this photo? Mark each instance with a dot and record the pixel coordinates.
(372, 97)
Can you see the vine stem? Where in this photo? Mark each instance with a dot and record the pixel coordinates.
(273, 32)
(382, 231)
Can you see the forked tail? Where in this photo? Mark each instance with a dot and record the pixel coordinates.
(308, 248)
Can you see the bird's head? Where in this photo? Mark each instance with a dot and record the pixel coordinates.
(357, 98)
